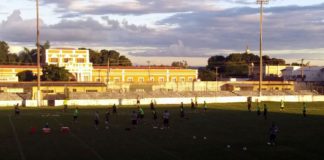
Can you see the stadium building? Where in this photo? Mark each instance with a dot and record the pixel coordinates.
(77, 62)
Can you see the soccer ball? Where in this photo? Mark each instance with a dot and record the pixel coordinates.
(244, 148)
(228, 146)
(205, 138)
(194, 137)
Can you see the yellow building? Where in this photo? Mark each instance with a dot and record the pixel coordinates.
(143, 74)
(78, 63)
(274, 70)
(75, 61)
(8, 73)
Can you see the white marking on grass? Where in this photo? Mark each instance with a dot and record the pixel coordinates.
(85, 145)
(22, 155)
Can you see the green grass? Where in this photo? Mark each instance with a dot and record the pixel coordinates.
(223, 124)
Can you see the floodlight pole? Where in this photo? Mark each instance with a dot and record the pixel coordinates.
(149, 70)
(38, 55)
(261, 2)
(108, 73)
(216, 78)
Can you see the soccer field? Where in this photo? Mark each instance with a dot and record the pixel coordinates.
(222, 125)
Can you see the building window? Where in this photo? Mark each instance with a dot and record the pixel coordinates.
(53, 60)
(174, 79)
(91, 90)
(130, 79)
(182, 79)
(141, 79)
(47, 91)
(190, 79)
(80, 60)
(161, 79)
(151, 79)
(98, 79)
(74, 90)
(66, 60)
(116, 79)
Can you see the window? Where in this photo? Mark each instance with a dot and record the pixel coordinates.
(161, 79)
(141, 79)
(66, 60)
(190, 79)
(53, 60)
(47, 91)
(152, 79)
(182, 79)
(116, 79)
(98, 79)
(91, 90)
(130, 79)
(80, 60)
(74, 90)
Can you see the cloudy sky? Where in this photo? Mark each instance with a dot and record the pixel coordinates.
(167, 30)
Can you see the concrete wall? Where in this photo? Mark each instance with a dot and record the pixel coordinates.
(175, 100)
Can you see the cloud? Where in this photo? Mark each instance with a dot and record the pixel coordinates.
(175, 50)
(196, 33)
(85, 31)
(102, 7)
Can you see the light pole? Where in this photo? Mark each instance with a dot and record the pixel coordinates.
(38, 55)
(216, 70)
(261, 2)
(108, 73)
(149, 70)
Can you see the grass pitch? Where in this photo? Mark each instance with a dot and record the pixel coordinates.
(222, 125)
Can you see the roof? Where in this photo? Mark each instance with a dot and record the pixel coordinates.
(50, 83)
(101, 67)
(136, 67)
(18, 66)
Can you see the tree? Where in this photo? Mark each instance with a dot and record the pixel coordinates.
(54, 73)
(205, 74)
(182, 64)
(124, 61)
(43, 49)
(237, 64)
(26, 76)
(115, 59)
(4, 51)
(25, 56)
(215, 61)
(95, 57)
(12, 58)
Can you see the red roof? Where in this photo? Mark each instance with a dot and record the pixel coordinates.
(136, 67)
(18, 66)
(99, 67)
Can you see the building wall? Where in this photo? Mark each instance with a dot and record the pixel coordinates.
(8, 73)
(76, 62)
(274, 70)
(310, 74)
(133, 75)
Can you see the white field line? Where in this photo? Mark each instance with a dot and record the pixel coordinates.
(22, 155)
(84, 144)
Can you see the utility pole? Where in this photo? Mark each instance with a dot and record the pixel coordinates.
(216, 70)
(302, 69)
(261, 2)
(38, 56)
(149, 70)
(108, 73)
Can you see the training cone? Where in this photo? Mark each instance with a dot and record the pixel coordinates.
(32, 130)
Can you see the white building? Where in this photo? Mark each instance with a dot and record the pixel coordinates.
(309, 73)
(75, 61)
